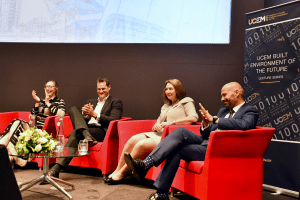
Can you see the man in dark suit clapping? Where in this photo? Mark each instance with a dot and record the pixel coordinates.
(91, 122)
(184, 144)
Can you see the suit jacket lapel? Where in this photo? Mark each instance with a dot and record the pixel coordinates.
(108, 100)
(224, 113)
(240, 111)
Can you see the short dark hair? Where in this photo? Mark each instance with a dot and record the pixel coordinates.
(55, 84)
(180, 92)
(100, 80)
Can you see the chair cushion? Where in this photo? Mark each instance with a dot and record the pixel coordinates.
(193, 166)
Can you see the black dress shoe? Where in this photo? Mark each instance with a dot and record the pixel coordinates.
(91, 141)
(53, 174)
(156, 196)
(111, 181)
(137, 166)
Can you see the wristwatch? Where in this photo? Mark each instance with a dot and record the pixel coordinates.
(215, 118)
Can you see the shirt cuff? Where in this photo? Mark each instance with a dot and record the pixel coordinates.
(204, 128)
(98, 117)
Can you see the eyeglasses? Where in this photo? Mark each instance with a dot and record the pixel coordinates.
(49, 86)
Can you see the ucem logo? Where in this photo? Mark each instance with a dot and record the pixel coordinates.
(268, 125)
(283, 118)
(257, 20)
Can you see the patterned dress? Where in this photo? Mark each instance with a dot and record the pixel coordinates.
(41, 112)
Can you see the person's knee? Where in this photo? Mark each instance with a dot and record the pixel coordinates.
(179, 131)
(73, 109)
(141, 145)
(132, 141)
(17, 122)
(136, 138)
(145, 145)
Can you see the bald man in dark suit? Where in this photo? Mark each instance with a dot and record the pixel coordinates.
(184, 144)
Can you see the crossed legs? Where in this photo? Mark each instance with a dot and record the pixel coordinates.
(11, 137)
(180, 144)
(81, 131)
(139, 146)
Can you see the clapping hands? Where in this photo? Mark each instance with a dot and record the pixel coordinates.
(35, 97)
(88, 109)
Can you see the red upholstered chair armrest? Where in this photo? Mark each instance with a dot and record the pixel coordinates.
(6, 118)
(112, 130)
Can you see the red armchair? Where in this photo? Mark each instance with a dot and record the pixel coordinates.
(104, 155)
(233, 167)
(49, 126)
(129, 128)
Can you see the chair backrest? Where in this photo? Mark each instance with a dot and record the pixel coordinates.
(68, 126)
(24, 115)
(126, 129)
(235, 143)
(125, 119)
(6, 118)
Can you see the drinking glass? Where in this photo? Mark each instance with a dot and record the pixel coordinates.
(83, 147)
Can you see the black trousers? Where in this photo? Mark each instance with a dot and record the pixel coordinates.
(180, 144)
(79, 133)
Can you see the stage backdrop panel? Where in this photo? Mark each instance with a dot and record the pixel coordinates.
(272, 70)
(272, 85)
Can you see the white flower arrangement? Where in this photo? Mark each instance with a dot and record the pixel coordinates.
(35, 141)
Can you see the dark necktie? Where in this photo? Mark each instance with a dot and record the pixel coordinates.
(231, 112)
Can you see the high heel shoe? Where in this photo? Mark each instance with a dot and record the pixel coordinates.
(21, 161)
(111, 181)
(106, 179)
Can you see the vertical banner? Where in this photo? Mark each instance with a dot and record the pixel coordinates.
(272, 68)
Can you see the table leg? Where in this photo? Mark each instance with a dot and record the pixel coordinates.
(52, 182)
(47, 178)
(62, 181)
(31, 183)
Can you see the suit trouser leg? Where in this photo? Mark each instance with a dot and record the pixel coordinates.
(78, 121)
(78, 134)
(180, 144)
(188, 152)
(73, 141)
(179, 137)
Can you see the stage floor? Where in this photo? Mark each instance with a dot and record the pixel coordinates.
(89, 185)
